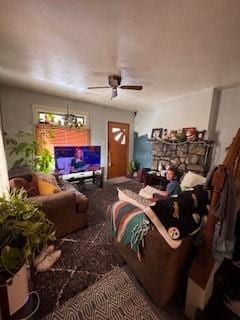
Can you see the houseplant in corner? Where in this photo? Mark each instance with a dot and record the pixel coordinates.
(24, 230)
(27, 152)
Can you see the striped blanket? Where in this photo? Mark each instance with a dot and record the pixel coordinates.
(129, 225)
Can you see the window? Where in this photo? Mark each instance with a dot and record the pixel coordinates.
(60, 117)
(119, 135)
(61, 120)
(51, 128)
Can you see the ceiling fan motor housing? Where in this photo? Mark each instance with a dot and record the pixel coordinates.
(114, 81)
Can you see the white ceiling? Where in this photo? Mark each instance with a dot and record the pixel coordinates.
(171, 47)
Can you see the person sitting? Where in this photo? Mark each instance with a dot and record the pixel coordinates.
(173, 187)
(78, 163)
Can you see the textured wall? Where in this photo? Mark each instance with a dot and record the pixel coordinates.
(18, 115)
(228, 121)
(191, 110)
(142, 151)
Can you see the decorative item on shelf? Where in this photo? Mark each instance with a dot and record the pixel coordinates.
(201, 135)
(191, 133)
(173, 135)
(181, 135)
(156, 134)
(160, 166)
(133, 168)
(49, 118)
(165, 135)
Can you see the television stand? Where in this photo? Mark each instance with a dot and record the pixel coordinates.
(97, 177)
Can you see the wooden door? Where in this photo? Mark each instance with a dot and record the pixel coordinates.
(118, 147)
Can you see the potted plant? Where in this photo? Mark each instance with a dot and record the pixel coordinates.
(49, 118)
(29, 153)
(24, 230)
(133, 167)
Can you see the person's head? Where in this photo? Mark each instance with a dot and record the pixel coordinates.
(78, 153)
(172, 174)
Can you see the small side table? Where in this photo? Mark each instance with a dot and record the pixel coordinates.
(98, 177)
(154, 178)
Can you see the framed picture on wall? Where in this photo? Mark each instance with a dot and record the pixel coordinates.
(156, 134)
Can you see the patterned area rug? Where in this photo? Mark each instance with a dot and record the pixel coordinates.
(86, 254)
(113, 297)
(118, 180)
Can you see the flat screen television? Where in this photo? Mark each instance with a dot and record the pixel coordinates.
(75, 159)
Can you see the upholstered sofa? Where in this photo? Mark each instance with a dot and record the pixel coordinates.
(67, 208)
(160, 265)
(159, 256)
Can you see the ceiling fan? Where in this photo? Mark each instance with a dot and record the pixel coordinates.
(114, 83)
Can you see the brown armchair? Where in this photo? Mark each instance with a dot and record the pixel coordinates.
(67, 209)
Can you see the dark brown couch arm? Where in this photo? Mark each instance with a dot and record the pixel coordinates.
(63, 198)
(81, 203)
(62, 209)
(159, 269)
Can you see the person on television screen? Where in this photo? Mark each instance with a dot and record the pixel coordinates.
(78, 164)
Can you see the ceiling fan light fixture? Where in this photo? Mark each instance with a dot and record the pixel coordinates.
(70, 120)
(114, 93)
(114, 82)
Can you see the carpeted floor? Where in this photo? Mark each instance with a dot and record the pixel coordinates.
(86, 255)
(113, 297)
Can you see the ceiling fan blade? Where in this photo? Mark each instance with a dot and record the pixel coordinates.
(100, 87)
(131, 87)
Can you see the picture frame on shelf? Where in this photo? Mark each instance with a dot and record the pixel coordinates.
(156, 134)
(191, 133)
(165, 134)
(173, 135)
(201, 135)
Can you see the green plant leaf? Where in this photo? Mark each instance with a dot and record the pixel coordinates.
(19, 162)
(11, 259)
(23, 228)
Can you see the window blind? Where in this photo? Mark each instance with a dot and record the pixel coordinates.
(48, 136)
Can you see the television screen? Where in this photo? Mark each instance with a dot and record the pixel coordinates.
(72, 159)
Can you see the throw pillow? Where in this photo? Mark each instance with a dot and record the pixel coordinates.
(134, 198)
(191, 180)
(47, 178)
(46, 188)
(148, 192)
(29, 186)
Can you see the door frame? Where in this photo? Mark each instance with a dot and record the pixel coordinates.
(127, 151)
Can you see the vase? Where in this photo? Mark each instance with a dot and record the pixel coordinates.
(17, 290)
